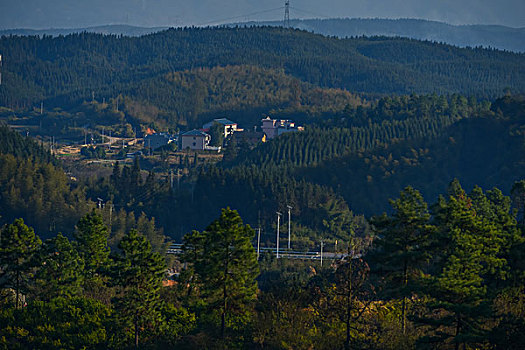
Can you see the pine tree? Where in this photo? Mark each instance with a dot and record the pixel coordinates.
(350, 287)
(60, 269)
(92, 245)
(18, 244)
(225, 265)
(138, 272)
(92, 239)
(402, 244)
(471, 255)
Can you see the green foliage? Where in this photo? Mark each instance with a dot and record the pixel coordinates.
(11, 142)
(473, 244)
(65, 69)
(138, 273)
(485, 149)
(61, 323)
(18, 244)
(518, 198)
(217, 134)
(387, 121)
(40, 193)
(178, 322)
(60, 269)
(402, 246)
(92, 242)
(225, 267)
(93, 152)
(466, 256)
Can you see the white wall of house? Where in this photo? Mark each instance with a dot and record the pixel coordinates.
(195, 142)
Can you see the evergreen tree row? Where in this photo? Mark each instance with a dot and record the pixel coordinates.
(449, 276)
(68, 69)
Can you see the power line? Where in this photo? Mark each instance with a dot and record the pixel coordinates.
(310, 12)
(218, 21)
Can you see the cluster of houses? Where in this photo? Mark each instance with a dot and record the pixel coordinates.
(199, 139)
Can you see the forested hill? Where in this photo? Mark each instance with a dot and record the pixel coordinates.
(18, 146)
(116, 29)
(370, 155)
(499, 37)
(494, 36)
(70, 69)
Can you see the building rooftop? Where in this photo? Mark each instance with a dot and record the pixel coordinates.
(224, 121)
(194, 133)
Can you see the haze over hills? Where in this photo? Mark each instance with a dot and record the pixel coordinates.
(65, 70)
(493, 36)
(38, 14)
(115, 29)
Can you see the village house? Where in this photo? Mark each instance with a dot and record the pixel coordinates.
(274, 127)
(157, 140)
(195, 140)
(229, 126)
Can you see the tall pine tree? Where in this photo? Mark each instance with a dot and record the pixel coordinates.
(226, 266)
(18, 244)
(138, 272)
(402, 245)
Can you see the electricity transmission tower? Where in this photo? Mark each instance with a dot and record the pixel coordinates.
(286, 22)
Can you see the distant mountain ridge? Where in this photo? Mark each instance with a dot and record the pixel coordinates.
(115, 29)
(67, 70)
(494, 36)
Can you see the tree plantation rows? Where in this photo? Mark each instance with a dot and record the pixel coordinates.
(449, 277)
(330, 173)
(390, 125)
(358, 129)
(66, 70)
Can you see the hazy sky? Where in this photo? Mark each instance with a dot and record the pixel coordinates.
(150, 13)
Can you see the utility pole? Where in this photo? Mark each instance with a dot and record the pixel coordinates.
(41, 108)
(278, 223)
(289, 225)
(258, 242)
(171, 179)
(322, 253)
(286, 22)
(110, 213)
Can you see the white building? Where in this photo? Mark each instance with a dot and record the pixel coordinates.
(273, 127)
(195, 140)
(229, 126)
